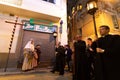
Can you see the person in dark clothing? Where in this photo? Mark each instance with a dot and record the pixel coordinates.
(107, 49)
(68, 54)
(90, 56)
(60, 60)
(80, 60)
(38, 51)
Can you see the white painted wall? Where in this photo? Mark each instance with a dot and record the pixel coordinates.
(58, 10)
(64, 38)
(43, 7)
(6, 34)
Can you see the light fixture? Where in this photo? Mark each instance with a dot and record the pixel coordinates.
(92, 8)
(73, 10)
(54, 34)
(79, 7)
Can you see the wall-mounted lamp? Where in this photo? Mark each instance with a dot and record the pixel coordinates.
(92, 8)
(55, 34)
(79, 7)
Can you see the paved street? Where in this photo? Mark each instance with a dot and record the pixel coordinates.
(38, 74)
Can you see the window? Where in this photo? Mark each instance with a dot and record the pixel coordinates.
(115, 22)
(51, 1)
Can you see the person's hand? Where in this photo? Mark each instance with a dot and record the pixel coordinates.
(90, 49)
(56, 53)
(74, 41)
(99, 50)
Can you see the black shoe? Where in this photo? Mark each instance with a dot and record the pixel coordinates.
(61, 74)
(52, 71)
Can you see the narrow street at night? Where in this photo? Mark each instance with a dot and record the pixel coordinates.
(59, 39)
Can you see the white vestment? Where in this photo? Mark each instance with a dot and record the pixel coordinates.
(28, 57)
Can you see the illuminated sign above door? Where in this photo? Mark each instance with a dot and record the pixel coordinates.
(40, 28)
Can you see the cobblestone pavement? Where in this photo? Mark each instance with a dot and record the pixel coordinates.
(38, 74)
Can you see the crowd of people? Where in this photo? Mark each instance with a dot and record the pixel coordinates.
(32, 57)
(92, 60)
(98, 60)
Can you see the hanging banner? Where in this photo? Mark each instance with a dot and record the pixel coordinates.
(40, 28)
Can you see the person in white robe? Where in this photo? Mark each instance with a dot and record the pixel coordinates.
(28, 56)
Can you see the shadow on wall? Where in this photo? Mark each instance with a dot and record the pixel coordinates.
(11, 63)
(3, 58)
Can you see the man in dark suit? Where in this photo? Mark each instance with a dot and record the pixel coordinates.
(80, 60)
(107, 49)
(68, 56)
(60, 60)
